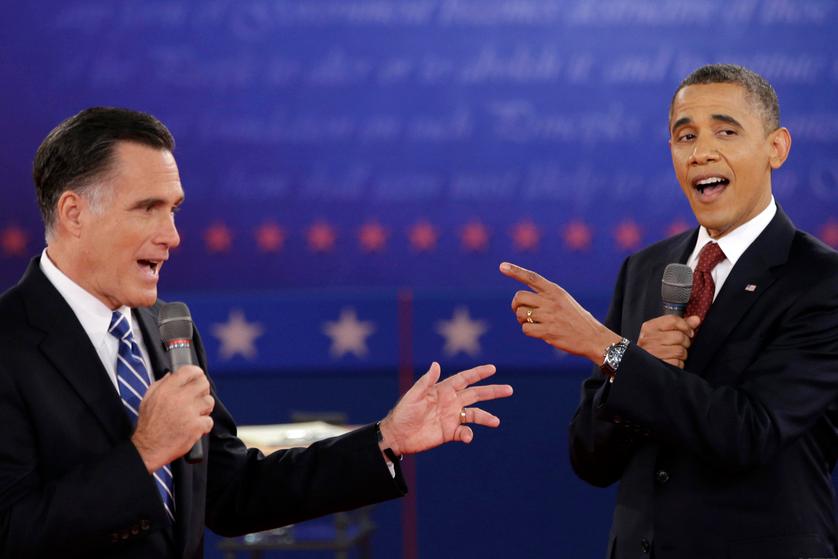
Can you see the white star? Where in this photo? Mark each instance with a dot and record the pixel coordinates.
(348, 334)
(237, 335)
(461, 333)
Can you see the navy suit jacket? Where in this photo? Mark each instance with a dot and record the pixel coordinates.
(73, 485)
(732, 456)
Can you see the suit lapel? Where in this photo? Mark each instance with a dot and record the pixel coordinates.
(183, 473)
(66, 345)
(147, 319)
(759, 267)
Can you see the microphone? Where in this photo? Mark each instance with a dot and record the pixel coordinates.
(676, 286)
(175, 324)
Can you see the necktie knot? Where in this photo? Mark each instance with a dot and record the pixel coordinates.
(704, 288)
(119, 327)
(710, 255)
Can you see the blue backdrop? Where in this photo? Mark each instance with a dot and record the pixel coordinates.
(356, 169)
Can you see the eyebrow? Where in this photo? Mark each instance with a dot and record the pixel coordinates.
(719, 117)
(151, 202)
(681, 122)
(727, 118)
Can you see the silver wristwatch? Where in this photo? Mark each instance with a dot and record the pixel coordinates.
(612, 357)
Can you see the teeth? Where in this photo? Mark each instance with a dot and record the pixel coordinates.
(710, 181)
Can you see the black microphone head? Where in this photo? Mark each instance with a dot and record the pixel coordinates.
(677, 284)
(175, 322)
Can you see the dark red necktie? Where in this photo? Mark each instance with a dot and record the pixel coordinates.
(703, 285)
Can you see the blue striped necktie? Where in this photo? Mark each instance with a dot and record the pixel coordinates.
(133, 379)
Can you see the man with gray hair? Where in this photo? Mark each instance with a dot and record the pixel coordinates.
(95, 427)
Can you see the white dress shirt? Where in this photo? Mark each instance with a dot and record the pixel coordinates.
(94, 316)
(733, 244)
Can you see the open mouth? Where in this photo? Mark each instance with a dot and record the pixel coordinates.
(153, 266)
(707, 187)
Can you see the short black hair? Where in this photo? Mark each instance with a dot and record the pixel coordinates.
(81, 148)
(757, 89)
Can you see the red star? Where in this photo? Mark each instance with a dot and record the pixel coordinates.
(677, 226)
(270, 237)
(525, 235)
(628, 235)
(218, 237)
(829, 233)
(474, 236)
(372, 236)
(321, 237)
(14, 241)
(577, 236)
(423, 236)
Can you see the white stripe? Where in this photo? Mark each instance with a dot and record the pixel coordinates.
(130, 407)
(164, 486)
(133, 349)
(172, 516)
(137, 357)
(164, 474)
(115, 324)
(136, 374)
(128, 386)
(168, 471)
(140, 371)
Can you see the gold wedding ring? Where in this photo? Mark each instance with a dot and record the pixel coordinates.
(463, 416)
(529, 316)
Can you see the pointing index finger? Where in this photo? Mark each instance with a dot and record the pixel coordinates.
(536, 282)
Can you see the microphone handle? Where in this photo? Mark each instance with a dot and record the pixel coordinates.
(181, 355)
(674, 309)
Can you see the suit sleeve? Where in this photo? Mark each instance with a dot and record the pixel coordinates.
(781, 393)
(600, 448)
(248, 491)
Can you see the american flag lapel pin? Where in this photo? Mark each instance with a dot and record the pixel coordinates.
(751, 287)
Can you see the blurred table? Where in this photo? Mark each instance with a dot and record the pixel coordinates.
(341, 532)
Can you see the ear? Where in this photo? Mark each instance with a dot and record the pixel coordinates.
(780, 145)
(68, 213)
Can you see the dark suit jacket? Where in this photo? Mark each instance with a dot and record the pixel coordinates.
(732, 456)
(73, 485)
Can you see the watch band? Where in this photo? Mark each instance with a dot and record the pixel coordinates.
(612, 357)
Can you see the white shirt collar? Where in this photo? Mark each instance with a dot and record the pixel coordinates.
(93, 314)
(735, 243)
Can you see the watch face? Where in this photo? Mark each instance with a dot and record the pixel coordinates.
(613, 356)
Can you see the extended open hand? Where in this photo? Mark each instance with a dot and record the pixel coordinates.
(430, 413)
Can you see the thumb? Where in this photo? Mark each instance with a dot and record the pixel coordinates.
(159, 382)
(464, 434)
(693, 321)
(430, 378)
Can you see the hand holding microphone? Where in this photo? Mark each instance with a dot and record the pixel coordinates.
(175, 411)
(669, 337)
(175, 322)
